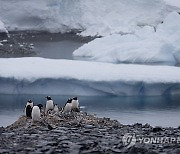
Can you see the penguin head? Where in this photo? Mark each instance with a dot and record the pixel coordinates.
(69, 100)
(29, 101)
(48, 97)
(75, 98)
(40, 106)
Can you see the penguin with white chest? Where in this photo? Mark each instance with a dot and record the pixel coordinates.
(67, 107)
(28, 108)
(36, 114)
(49, 104)
(75, 105)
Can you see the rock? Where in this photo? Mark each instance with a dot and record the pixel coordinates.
(80, 133)
(2, 129)
(157, 129)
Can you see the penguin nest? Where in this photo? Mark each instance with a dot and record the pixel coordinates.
(75, 119)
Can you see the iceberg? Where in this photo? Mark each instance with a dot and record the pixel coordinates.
(149, 45)
(70, 77)
(92, 18)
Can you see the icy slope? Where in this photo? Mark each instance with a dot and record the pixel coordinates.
(67, 77)
(146, 46)
(97, 17)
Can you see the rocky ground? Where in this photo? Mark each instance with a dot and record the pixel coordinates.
(19, 44)
(83, 133)
(11, 46)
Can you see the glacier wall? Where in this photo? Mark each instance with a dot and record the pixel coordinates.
(68, 77)
(86, 88)
(97, 17)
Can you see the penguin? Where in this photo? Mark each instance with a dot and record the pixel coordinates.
(41, 109)
(75, 105)
(29, 102)
(49, 104)
(40, 106)
(55, 108)
(67, 107)
(28, 111)
(28, 108)
(36, 113)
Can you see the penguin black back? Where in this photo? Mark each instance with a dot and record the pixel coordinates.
(28, 111)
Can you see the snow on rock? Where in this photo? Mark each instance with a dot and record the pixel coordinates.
(2, 28)
(67, 77)
(97, 17)
(146, 46)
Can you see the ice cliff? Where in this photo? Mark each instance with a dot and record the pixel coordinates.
(68, 77)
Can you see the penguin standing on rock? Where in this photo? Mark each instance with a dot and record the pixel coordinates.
(28, 111)
(49, 104)
(67, 107)
(75, 105)
(28, 108)
(36, 113)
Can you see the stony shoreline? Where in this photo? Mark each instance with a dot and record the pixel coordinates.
(82, 133)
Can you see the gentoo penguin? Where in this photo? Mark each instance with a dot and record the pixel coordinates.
(28, 111)
(55, 108)
(29, 102)
(67, 107)
(49, 104)
(75, 105)
(28, 108)
(36, 113)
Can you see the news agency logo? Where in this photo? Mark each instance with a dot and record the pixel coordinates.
(129, 140)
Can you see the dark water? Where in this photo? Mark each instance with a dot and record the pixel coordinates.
(157, 111)
(52, 45)
(56, 50)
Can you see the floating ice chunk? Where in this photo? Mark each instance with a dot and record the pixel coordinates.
(147, 46)
(68, 77)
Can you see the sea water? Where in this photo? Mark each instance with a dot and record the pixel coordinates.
(157, 111)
